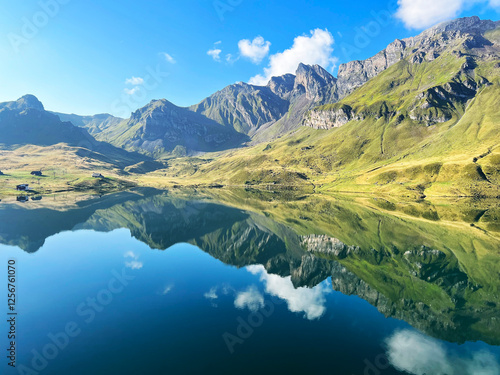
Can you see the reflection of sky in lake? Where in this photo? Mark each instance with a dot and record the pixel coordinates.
(417, 354)
(176, 305)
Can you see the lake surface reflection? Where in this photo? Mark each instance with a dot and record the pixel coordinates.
(225, 282)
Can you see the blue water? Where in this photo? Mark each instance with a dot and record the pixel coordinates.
(180, 311)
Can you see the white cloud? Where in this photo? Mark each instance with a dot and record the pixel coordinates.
(309, 301)
(167, 289)
(230, 59)
(250, 298)
(131, 91)
(131, 254)
(211, 294)
(316, 48)
(420, 14)
(419, 355)
(134, 81)
(169, 58)
(135, 265)
(215, 53)
(254, 50)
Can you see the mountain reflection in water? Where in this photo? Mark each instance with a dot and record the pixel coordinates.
(433, 266)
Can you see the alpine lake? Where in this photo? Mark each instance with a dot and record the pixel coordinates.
(247, 281)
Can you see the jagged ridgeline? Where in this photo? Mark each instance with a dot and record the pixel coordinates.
(419, 262)
(419, 118)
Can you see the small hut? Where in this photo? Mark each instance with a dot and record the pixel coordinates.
(22, 187)
(97, 175)
(36, 173)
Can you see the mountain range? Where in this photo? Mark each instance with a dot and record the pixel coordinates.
(418, 118)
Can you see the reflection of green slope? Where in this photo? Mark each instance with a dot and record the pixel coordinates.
(28, 228)
(419, 262)
(229, 234)
(441, 276)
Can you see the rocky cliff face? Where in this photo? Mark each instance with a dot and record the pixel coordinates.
(244, 107)
(253, 109)
(426, 46)
(356, 73)
(312, 86)
(327, 245)
(161, 126)
(463, 39)
(335, 118)
(315, 83)
(282, 86)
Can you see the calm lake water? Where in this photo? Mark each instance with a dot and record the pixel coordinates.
(245, 282)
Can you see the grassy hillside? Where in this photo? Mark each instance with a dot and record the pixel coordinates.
(65, 168)
(423, 127)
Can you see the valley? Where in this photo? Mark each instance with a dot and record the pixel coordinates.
(420, 119)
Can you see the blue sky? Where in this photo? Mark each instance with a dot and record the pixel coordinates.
(107, 56)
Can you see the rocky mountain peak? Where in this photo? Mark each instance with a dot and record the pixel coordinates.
(315, 82)
(282, 85)
(23, 103)
(469, 25)
(316, 69)
(428, 45)
(29, 102)
(155, 105)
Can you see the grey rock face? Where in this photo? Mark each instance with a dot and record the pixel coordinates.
(249, 108)
(425, 46)
(435, 104)
(312, 86)
(245, 107)
(160, 126)
(471, 25)
(319, 119)
(327, 245)
(316, 83)
(282, 86)
(310, 272)
(24, 103)
(356, 73)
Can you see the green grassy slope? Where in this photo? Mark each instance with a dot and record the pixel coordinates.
(419, 128)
